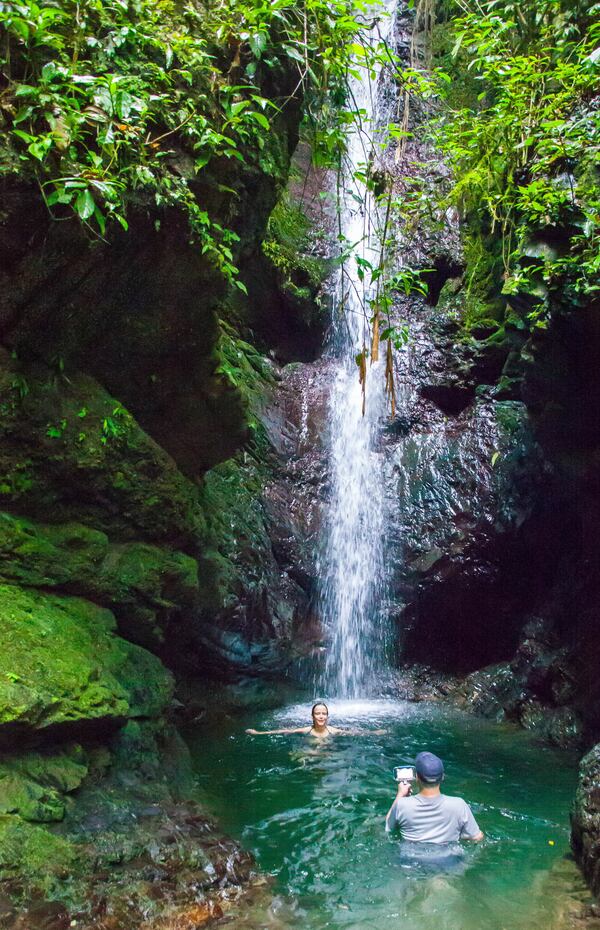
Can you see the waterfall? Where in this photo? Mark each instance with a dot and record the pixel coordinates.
(352, 568)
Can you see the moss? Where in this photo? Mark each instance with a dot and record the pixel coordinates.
(237, 536)
(145, 585)
(34, 784)
(28, 851)
(483, 280)
(19, 795)
(288, 246)
(509, 417)
(60, 663)
(251, 376)
(123, 483)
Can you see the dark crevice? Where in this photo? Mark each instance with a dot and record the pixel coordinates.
(444, 268)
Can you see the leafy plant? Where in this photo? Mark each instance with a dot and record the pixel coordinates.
(56, 430)
(524, 145)
(114, 427)
(102, 97)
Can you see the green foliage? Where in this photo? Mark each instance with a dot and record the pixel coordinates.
(245, 370)
(524, 148)
(289, 241)
(114, 427)
(56, 430)
(102, 97)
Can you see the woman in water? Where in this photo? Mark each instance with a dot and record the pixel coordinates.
(320, 728)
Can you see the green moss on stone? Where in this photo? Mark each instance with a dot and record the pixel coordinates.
(249, 373)
(28, 851)
(237, 535)
(483, 280)
(34, 784)
(143, 584)
(19, 795)
(123, 483)
(61, 663)
(288, 246)
(509, 417)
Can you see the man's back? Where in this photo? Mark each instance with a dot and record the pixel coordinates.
(437, 819)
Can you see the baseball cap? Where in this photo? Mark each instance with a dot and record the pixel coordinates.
(429, 767)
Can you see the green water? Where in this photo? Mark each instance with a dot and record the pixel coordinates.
(313, 814)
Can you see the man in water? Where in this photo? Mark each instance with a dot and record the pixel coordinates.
(430, 816)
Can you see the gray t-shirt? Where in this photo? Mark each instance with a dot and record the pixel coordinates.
(439, 819)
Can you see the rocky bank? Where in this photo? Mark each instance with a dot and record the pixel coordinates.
(139, 505)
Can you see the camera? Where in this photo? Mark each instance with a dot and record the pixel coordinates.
(404, 773)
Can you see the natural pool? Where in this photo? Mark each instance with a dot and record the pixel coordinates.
(313, 814)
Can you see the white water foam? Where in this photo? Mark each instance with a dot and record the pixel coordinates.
(352, 565)
(341, 711)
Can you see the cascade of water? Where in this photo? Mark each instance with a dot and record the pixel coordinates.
(352, 563)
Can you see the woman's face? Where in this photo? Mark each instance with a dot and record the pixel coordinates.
(320, 715)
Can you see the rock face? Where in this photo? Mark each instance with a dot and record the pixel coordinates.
(141, 486)
(492, 484)
(585, 819)
(71, 666)
(492, 468)
(162, 485)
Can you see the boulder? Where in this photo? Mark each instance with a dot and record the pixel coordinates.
(62, 664)
(585, 819)
(145, 585)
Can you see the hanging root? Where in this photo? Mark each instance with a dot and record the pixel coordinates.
(390, 387)
(375, 338)
(361, 361)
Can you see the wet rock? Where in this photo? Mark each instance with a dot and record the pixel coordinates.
(61, 663)
(537, 689)
(258, 572)
(585, 819)
(462, 489)
(47, 915)
(421, 683)
(451, 398)
(490, 691)
(145, 585)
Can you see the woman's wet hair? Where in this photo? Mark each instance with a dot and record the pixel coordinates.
(319, 704)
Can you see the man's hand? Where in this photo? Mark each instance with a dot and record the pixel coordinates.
(252, 732)
(404, 789)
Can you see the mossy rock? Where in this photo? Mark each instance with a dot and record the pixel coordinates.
(71, 453)
(247, 371)
(27, 850)
(34, 784)
(144, 584)
(22, 796)
(238, 544)
(62, 664)
(482, 295)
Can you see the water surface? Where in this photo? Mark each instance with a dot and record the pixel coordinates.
(313, 814)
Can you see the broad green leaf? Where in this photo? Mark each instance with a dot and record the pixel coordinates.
(85, 205)
(261, 119)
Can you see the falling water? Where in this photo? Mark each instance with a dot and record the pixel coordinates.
(352, 566)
